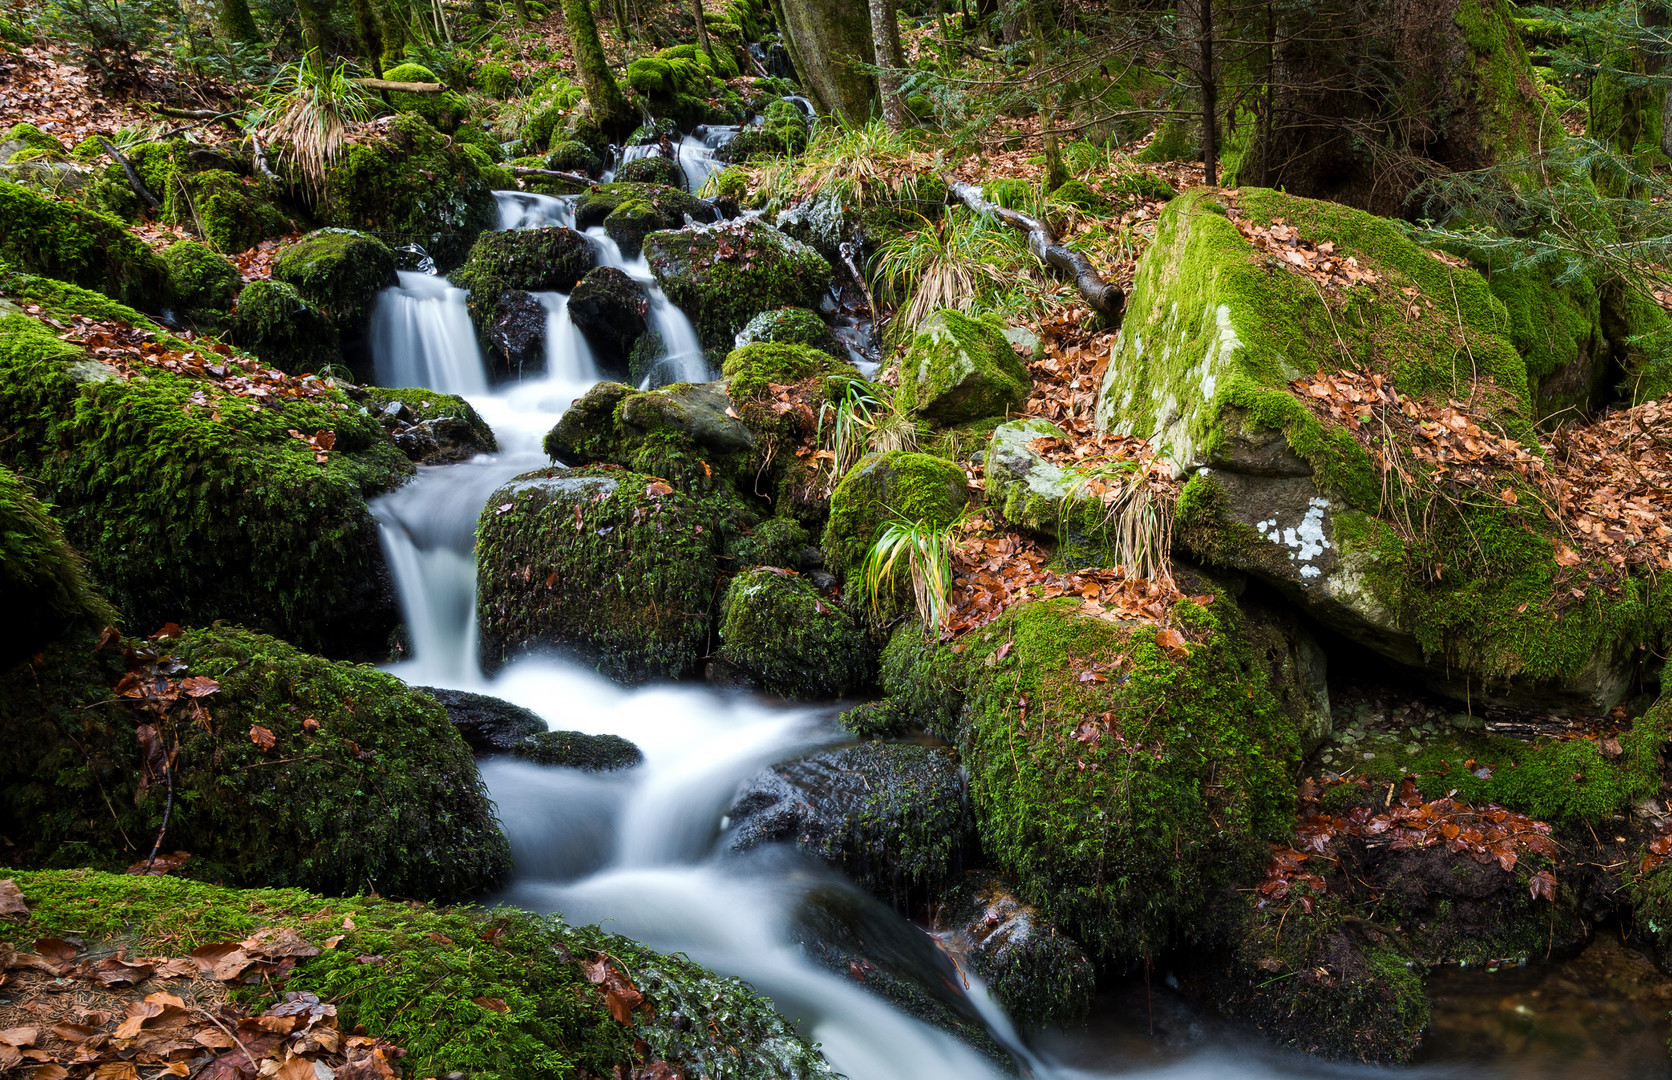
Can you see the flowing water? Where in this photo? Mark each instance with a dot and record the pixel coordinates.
(641, 852)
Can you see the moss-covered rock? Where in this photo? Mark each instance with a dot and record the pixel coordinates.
(205, 284)
(630, 591)
(364, 784)
(892, 816)
(789, 326)
(881, 488)
(61, 240)
(488, 725)
(610, 309)
(445, 111)
(1124, 807)
(1213, 335)
(338, 272)
(774, 542)
(495, 79)
(205, 509)
(1039, 974)
(651, 169)
(414, 185)
(43, 580)
(231, 212)
(430, 428)
(577, 750)
(726, 275)
(630, 211)
(749, 370)
(272, 321)
(572, 156)
(551, 259)
(26, 136)
(959, 369)
(432, 966)
(1044, 498)
(1079, 195)
(780, 635)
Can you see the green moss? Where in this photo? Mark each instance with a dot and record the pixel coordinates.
(722, 292)
(532, 260)
(576, 750)
(445, 111)
(572, 156)
(1078, 194)
(1125, 842)
(776, 542)
(57, 239)
(645, 564)
(789, 326)
(730, 183)
(275, 323)
(339, 272)
(44, 581)
(433, 965)
(495, 80)
(785, 638)
(229, 212)
(33, 138)
(413, 186)
(750, 370)
(425, 404)
(383, 795)
(196, 511)
(202, 281)
(959, 368)
(60, 300)
(653, 169)
(895, 486)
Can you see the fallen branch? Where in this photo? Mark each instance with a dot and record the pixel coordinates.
(1104, 298)
(407, 87)
(186, 114)
(574, 178)
(261, 156)
(134, 181)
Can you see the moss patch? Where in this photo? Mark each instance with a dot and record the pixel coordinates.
(779, 633)
(895, 486)
(43, 580)
(57, 239)
(339, 272)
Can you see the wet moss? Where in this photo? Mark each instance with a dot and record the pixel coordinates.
(895, 486)
(532, 260)
(202, 281)
(58, 239)
(652, 169)
(272, 321)
(339, 272)
(775, 542)
(960, 369)
(577, 750)
(780, 634)
(725, 276)
(751, 369)
(789, 326)
(425, 404)
(193, 512)
(422, 995)
(444, 111)
(368, 785)
(47, 589)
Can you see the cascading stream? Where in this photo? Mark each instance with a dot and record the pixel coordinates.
(421, 336)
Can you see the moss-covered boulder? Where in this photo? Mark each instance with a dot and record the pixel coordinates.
(413, 185)
(338, 272)
(657, 431)
(779, 634)
(44, 581)
(751, 369)
(960, 369)
(290, 769)
(551, 259)
(204, 190)
(629, 589)
(572, 156)
(789, 326)
(630, 211)
(1039, 974)
(578, 750)
(272, 321)
(413, 974)
(205, 284)
(26, 136)
(651, 169)
(195, 505)
(57, 239)
(892, 816)
(1125, 805)
(445, 110)
(430, 428)
(1462, 588)
(611, 310)
(882, 488)
(726, 275)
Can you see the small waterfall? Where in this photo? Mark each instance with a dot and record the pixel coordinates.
(568, 356)
(682, 358)
(527, 210)
(696, 156)
(421, 336)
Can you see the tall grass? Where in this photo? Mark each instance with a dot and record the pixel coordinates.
(308, 111)
(961, 261)
(863, 164)
(926, 551)
(1138, 525)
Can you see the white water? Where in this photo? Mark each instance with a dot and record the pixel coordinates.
(694, 155)
(421, 336)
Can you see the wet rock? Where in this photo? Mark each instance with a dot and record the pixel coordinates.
(616, 424)
(551, 259)
(780, 635)
(577, 750)
(1039, 974)
(489, 725)
(517, 335)
(630, 211)
(273, 321)
(960, 369)
(610, 309)
(339, 272)
(431, 428)
(884, 487)
(1297, 667)
(891, 816)
(725, 275)
(652, 169)
(789, 326)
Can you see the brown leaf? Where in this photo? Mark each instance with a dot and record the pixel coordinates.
(492, 1004)
(199, 686)
(19, 1036)
(1542, 886)
(113, 971)
(116, 1070)
(224, 961)
(11, 899)
(262, 738)
(49, 1071)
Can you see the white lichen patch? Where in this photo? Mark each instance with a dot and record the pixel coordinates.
(1306, 541)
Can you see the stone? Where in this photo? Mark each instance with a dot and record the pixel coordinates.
(959, 369)
(1039, 974)
(780, 635)
(611, 310)
(489, 725)
(724, 275)
(578, 750)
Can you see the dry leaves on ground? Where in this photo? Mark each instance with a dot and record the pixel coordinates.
(1318, 261)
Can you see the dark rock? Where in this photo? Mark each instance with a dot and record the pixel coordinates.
(489, 725)
(517, 335)
(577, 750)
(1040, 975)
(610, 308)
(652, 169)
(892, 816)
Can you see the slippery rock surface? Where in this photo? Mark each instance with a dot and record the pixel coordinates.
(610, 309)
(489, 725)
(1039, 974)
(961, 369)
(892, 816)
(517, 334)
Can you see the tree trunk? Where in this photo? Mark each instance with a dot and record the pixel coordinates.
(391, 17)
(1055, 175)
(523, 14)
(702, 29)
(236, 23)
(618, 8)
(609, 107)
(1210, 95)
(891, 62)
(312, 14)
(371, 38)
(832, 40)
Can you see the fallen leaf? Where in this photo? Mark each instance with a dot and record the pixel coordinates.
(492, 1004)
(262, 738)
(19, 1036)
(11, 899)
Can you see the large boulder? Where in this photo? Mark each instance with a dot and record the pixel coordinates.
(630, 211)
(1145, 776)
(686, 434)
(515, 332)
(961, 368)
(43, 580)
(413, 186)
(194, 504)
(339, 272)
(286, 769)
(779, 634)
(725, 275)
(629, 589)
(506, 262)
(1456, 579)
(445, 111)
(62, 240)
(751, 370)
(891, 816)
(273, 321)
(610, 309)
(203, 283)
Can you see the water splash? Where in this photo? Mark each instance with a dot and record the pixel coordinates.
(528, 210)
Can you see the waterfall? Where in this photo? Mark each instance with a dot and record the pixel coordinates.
(568, 356)
(421, 336)
(528, 210)
(682, 355)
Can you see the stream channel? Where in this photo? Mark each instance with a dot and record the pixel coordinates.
(641, 851)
